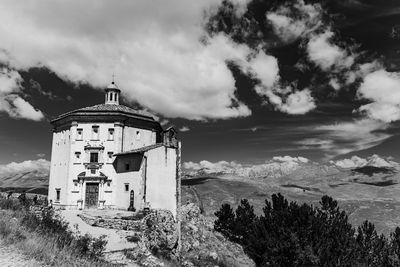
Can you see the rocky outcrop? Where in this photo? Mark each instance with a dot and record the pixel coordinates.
(158, 238)
(160, 233)
(202, 246)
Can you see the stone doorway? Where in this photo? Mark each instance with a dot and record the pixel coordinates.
(92, 195)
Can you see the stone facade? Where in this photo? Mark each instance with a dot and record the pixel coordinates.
(112, 156)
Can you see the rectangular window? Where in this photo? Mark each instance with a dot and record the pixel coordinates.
(110, 156)
(127, 187)
(77, 157)
(58, 194)
(126, 166)
(76, 188)
(79, 134)
(95, 133)
(137, 135)
(94, 157)
(111, 134)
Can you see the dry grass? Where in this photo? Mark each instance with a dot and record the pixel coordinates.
(43, 247)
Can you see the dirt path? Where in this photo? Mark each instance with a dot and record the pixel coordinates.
(11, 257)
(116, 238)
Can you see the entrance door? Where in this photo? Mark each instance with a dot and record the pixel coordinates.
(92, 195)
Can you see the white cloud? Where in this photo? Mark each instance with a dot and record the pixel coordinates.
(153, 48)
(240, 6)
(327, 55)
(210, 167)
(265, 68)
(357, 162)
(24, 110)
(184, 129)
(381, 111)
(10, 102)
(382, 88)
(41, 166)
(346, 137)
(353, 162)
(289, 158)
(299, 102)
(295, 21)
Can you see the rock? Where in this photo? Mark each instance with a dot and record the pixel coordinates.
(202, 246)
(213, 255)
(160, 233)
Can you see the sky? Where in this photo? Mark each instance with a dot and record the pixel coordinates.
(241, 80)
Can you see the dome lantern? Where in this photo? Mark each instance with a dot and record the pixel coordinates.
(112, 94)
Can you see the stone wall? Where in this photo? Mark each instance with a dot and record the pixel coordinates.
(130, 224)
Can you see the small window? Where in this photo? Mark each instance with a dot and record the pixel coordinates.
(93, 171)
(94, 157)
(137, 135)
(111, 96)
(95, 133)
(126, 166)
(126, 187)
(111, 134)
(58, 194)
(79, 134)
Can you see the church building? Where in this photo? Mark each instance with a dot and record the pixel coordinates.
(112, 156)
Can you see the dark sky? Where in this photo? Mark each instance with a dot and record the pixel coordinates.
(332, 129)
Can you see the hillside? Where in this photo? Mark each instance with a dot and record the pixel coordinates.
(34, 181)
(365, 192)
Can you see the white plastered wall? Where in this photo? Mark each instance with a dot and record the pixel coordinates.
(161, 178)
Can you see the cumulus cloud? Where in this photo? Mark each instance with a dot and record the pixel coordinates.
(382, 88)
(212, 167)
(289, 26)
(357, 162)
(10, 102)
(153, 48)
(299, 102)
(326, 54)
(265, 68)
(41, 166)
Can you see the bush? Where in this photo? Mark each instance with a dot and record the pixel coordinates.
(289, 234)
(10, 204)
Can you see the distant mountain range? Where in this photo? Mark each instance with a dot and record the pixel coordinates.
(281, 166)
(27, 176)
(367, 188)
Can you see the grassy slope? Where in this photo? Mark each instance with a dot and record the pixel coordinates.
(35, 245)
(374, 197)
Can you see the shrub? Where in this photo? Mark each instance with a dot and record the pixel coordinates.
(289, 234)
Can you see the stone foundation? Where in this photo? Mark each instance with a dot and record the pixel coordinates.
(129, 224)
